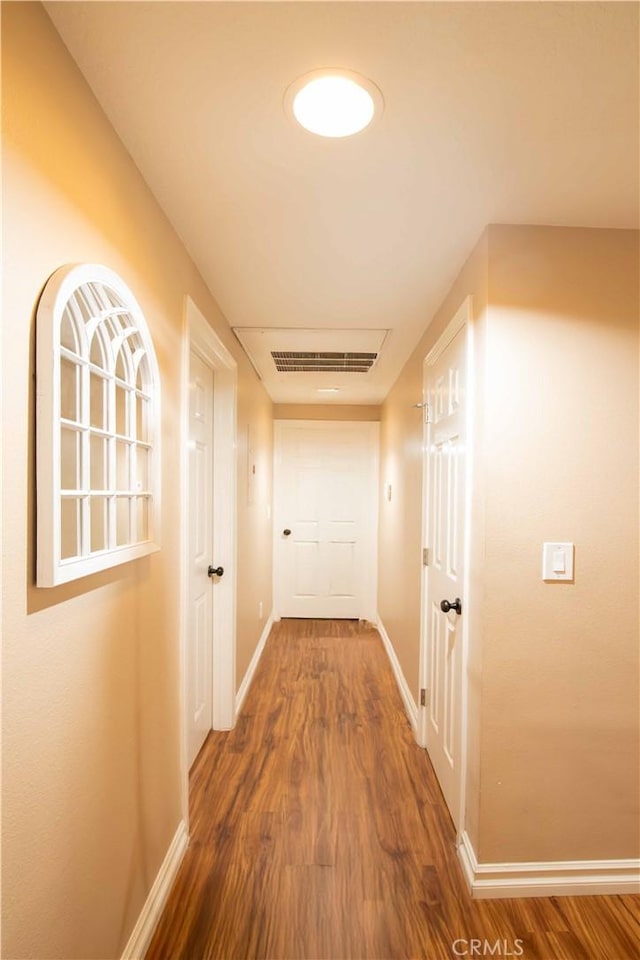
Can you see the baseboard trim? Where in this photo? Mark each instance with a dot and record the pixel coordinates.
(148, 920)
(409, 703)
(255, 659)
(562, 878)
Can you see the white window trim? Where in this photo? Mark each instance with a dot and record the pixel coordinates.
(51, 569)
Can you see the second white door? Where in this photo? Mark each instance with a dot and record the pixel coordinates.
(200, 610)
(326, 519)
(446, 394)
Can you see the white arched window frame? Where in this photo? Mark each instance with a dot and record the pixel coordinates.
(97, 426)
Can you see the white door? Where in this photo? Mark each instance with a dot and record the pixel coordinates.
(326, 519)
(445, 393)
(200, 611)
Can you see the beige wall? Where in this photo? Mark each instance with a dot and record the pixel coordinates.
(400, 536)
(559, 773)
(91, 780)
(325, 411)
(553, 668)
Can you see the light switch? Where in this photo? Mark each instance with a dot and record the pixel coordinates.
(557, 561)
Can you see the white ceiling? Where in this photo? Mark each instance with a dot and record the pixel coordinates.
(494, 112)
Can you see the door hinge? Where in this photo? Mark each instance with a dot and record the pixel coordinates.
(423, 697)
(427, 413)
(425, 556)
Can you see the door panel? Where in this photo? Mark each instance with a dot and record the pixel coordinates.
(325, 494)
(341, 531)
(341, 563)
(200, 642)
(450, 654)
(200, 615)
(306, 531)
(453, 508)
(444, 506)
(306, 568)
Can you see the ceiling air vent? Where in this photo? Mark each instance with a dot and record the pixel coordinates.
(293, 361)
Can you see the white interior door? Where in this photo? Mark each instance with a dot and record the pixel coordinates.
(446, 396)
(200, 604)
(326, 519)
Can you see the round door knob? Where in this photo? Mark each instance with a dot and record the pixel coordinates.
(286, 532)
(446, 605)
(215, 571)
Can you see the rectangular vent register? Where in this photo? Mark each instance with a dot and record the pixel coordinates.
(293, 361)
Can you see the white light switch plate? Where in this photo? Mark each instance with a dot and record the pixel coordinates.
(557, 561)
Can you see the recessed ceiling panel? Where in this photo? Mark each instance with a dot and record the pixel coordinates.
(303, 365)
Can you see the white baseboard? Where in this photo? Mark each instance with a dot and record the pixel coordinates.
(251, 669)
(148, 920)
(551, 879)
(409, 703)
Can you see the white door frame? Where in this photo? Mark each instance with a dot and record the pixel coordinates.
(463, 318)
(373, 429)
(198, 336)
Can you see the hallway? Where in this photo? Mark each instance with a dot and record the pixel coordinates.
(318, 831)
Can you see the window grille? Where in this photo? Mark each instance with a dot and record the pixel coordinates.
(98, 399)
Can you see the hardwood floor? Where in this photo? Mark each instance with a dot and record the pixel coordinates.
(318, 830)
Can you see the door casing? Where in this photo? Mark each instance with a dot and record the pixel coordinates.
(199, 337)
(461, 319)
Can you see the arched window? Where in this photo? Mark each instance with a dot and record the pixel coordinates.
(98, 408)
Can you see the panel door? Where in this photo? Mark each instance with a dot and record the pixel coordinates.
(324, 520)
(200, 612)
(446, 396)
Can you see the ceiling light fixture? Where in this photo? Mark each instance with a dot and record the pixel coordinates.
(333, 103)
(328, 389)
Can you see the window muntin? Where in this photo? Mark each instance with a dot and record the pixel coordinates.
(97, 426)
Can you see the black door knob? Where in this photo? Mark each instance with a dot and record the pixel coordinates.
(446, 605)
(286, 532)
(215, 571)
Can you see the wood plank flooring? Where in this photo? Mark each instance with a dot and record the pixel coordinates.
(318, 832)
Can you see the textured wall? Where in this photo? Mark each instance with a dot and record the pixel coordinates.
(553, 668)
(560, 748)
(401, 465)
(91, 778)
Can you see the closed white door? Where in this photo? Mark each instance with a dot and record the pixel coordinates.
(445, 390)
(200, 612)
(325, 519)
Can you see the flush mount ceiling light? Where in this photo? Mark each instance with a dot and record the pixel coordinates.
(333, 103)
